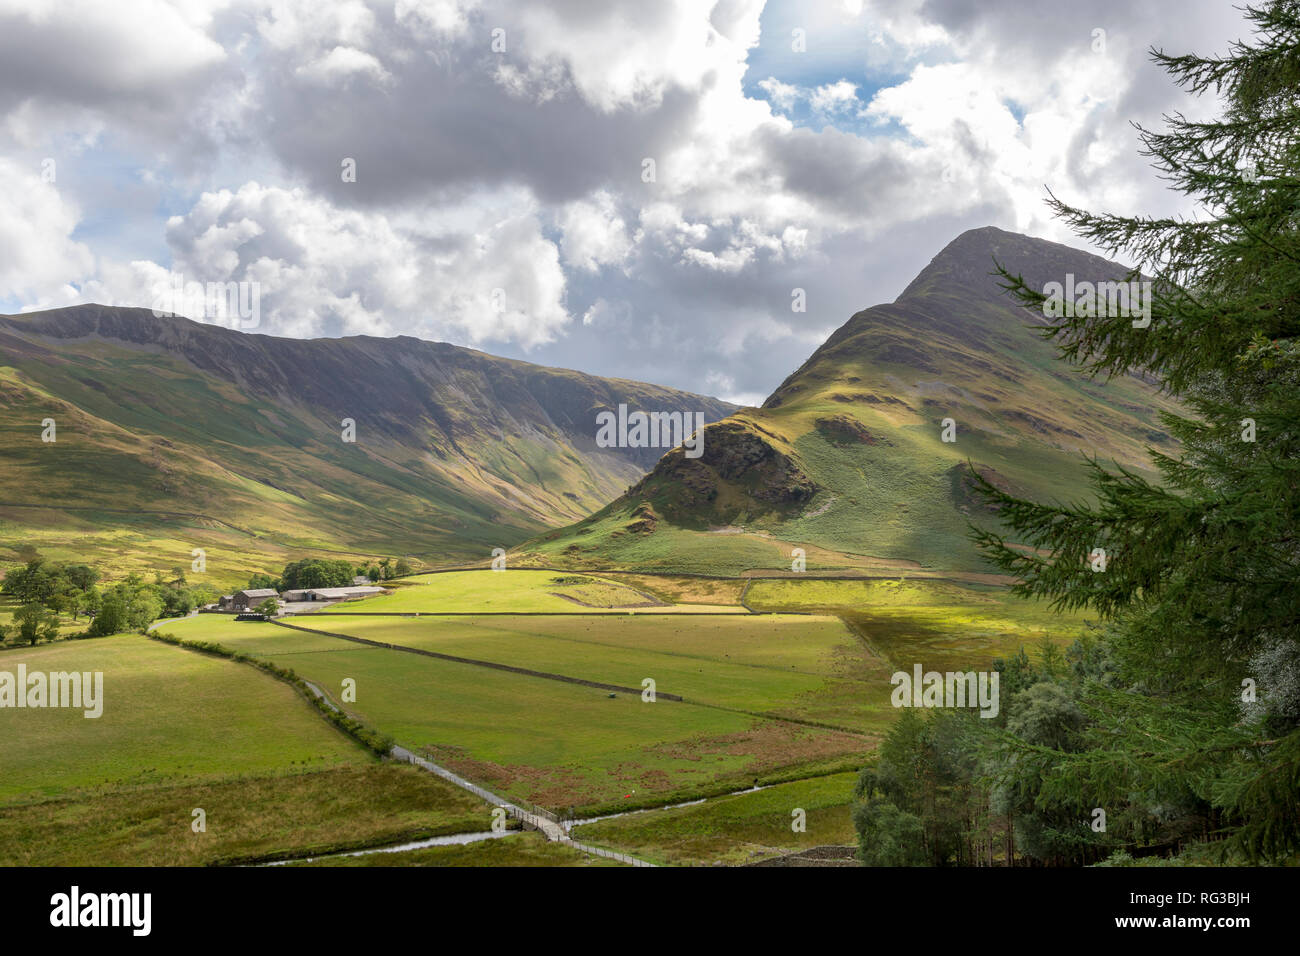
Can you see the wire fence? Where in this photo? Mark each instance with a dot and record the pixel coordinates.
(607, 854)
(527, 813)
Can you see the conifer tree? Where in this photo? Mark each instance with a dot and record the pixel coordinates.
(1201, 579)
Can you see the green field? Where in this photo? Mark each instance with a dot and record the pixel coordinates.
(517, 591)
(167, 716)
(182, 730)
(735, 829)
(942, 625)
(686, 590)
(146, 541)
(794, 698)
(799, 666)
(559, 744)
(248, 817)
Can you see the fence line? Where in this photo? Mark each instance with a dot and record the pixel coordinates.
(494, 665)
(521, 810)
(608, 854)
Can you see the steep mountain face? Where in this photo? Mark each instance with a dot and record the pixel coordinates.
(847, 458)
(171, 433)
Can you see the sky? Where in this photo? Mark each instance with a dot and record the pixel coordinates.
(635, 189)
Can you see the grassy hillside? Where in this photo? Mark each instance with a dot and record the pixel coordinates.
(172, 435)
(846, 458)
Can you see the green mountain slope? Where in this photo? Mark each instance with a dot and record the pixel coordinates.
(845, 459)
(173, 435)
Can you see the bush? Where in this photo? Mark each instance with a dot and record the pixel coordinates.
(316, 573)
(888, 836)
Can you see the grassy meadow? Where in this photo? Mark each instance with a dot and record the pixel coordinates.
(182, 730)
(734, 829)
(515, 591)
(803, 667)
(943, 625)
(247, 817)
(794, 697)
(167, 716)
(568, 746)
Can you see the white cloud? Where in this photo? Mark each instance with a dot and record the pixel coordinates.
(306, 28)
(325, 270)
(595, 235)
(834, 97)
(604, 312)
(724, 386)
(341, 63)
(628, 55)
(782, 95)
(39, 260)
(434, 18)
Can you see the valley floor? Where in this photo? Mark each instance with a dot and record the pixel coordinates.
(676, 720)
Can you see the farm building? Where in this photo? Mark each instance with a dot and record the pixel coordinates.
(246, 600)
(331, 594)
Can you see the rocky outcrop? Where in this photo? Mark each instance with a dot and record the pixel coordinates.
(842, 430)
(740, 472)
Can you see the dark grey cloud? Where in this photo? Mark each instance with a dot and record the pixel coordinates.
(446, 129)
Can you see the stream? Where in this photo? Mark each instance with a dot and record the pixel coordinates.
(454, 839)
(571, 824)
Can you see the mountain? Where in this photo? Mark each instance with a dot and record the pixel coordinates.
(172, 435)
(846, 458)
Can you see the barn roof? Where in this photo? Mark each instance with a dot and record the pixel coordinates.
(344, 592)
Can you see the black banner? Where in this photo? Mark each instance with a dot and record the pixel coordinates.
(925, 906)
